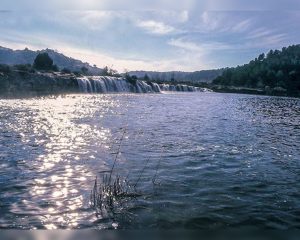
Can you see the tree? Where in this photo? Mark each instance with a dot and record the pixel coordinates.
(109, 72)
(43, 62)
(105, 71)
(261, 57)
(276, 69)
(146, 77)
(84, 70)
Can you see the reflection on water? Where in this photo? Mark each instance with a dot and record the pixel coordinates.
(51, 158)
(221, 160)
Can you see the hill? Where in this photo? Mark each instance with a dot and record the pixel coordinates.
(205, 76)
(14, 57)
(26, 56)
(277, 71)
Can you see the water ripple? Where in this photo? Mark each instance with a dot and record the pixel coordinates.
(221, 160)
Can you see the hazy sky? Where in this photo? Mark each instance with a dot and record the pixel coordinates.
(167, 35)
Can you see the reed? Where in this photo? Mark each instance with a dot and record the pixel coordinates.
(112, 191)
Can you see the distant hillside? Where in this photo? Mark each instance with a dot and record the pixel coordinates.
(206, 76)
(26, 56)
(278, 70)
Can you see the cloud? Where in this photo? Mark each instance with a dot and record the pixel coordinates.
(218, 22)
(157, 28)
(274, 39)
(185, 63)
(200, 48)
(259, 32)
(225, 22)
(94, 18)
(209, 22)
(242, 26)
(171, 40)
(262, 37)
(168, 16)
(183, 16)
(189, 46)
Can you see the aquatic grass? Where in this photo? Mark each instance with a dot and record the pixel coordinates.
(109, 196)
(112, 193)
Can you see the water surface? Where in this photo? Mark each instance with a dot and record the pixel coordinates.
(217, 160)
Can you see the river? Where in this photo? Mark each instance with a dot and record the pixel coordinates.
(198, 160)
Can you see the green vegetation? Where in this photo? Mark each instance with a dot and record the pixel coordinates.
(131, 79)
(20, 68)
(146, 78)
(112, 194)
(24, 68)
(278, 71)
(44, 62)
(4, 68)
(110, 72)
(84, 70)
(66, 71)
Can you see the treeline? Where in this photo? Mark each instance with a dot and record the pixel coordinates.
(277, 70)
(42, 62)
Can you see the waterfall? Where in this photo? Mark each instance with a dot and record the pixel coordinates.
(84, 85)
(181, 88)
(106, 84)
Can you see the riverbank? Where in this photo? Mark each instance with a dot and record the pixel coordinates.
(14, 84)
(27, 84)
(277, 91)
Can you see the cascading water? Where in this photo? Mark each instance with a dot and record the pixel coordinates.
(84, 84)
(106, 84)
(182, 88)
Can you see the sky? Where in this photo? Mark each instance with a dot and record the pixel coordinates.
(162, 36)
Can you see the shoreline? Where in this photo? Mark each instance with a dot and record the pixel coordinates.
(252, 91)
(23, 84)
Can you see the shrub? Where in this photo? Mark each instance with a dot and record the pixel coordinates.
(131, 79)
(106, 71)
(66, 71)
(76, 73)
(84, 70)
(23, 67)
(44, 62)
(55, 68)
(4, 68)
(146, 77)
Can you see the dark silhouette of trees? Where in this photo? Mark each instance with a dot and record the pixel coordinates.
(146, 77)
(84, 70)
(4, 68)
(109, 72)
(44, 62)
(276, 70)
(66, 71)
